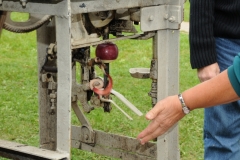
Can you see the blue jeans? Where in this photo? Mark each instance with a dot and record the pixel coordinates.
(222, 123)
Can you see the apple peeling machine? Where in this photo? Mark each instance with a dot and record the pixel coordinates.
(66, 30)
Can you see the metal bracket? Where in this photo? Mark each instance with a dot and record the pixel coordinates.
(160, 17)
(48, 82)
(86, 133)
(78, 90)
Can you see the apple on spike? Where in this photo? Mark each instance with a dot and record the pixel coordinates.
(107, 52)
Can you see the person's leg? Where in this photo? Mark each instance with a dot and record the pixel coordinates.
(222, 123)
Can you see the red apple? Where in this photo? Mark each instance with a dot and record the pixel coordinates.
(107, 52)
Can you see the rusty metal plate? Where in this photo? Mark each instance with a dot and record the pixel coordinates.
(117, 146)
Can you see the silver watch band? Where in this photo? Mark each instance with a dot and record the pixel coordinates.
(185, 109)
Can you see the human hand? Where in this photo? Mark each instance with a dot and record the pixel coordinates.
(208, 72)
(163, 116)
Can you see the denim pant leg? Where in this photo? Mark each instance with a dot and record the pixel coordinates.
(222, 123)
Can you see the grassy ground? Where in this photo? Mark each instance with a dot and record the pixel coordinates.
(19, 104)
(186, 10)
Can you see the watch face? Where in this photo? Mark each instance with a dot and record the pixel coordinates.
(186, 110)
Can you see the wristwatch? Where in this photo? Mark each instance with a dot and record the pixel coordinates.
(185, 109)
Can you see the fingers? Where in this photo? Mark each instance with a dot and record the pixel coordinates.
(149, 137)
(204, 76)
(154, 111)
(208, 72)
(163, 116)
(151, 132)
(157, 126)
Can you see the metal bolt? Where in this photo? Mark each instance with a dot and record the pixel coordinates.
(83, 5)
(23, 2)
(151, 18)
(171, 19)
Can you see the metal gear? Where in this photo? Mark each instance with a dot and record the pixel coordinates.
(35, 21)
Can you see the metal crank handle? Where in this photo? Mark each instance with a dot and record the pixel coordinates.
(111, 101)
(126, 102)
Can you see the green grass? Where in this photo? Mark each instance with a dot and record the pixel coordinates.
(186, 10)
(19, 95)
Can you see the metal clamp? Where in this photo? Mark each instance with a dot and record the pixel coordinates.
(160, 17)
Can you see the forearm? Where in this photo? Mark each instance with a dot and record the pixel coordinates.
(216, 91)
(221, 89)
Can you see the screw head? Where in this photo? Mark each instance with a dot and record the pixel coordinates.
(151, 18)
